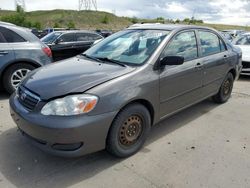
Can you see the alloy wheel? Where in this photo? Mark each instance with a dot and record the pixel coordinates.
(18, 76)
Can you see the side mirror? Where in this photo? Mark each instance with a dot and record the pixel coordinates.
(97, 41)
(58, 41)
(172, 60)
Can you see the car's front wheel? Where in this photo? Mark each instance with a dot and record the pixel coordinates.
(225, 90)
(14, 75)
(129, 131)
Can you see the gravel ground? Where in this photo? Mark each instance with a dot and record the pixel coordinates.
(207, 145)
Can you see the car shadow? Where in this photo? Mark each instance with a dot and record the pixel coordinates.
(3, 95)
(23, 165)
(244, 78)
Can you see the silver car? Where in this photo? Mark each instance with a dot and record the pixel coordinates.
(20, 52)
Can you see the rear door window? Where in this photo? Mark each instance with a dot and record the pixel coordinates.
(10, 36)
(210, 43)
(184, 45)
(82, 37)
(68, 37)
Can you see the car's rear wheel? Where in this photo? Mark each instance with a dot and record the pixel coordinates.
(225, 90)
(14, 75)
(129, 131)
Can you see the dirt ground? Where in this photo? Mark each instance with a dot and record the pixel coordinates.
(207, 145)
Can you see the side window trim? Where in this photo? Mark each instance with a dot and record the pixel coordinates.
(219, 38)
(178, 33)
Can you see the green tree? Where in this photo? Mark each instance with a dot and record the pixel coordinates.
(134, 20)
(17, 19)
(177, 21)
(186, 20)
(19, 9)
(160, 19)
(71, 25)
(105, 20)
(56, 25)
(37, 25)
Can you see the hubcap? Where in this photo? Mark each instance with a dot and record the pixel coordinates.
(131, 130)
(226, 87)
(18, 76)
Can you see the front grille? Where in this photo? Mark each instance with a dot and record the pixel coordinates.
(27, 99)
(246, 65)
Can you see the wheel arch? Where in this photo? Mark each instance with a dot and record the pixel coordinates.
(4, 69)
(233, 71)
(146, 104)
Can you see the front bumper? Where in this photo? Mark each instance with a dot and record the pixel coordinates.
(245, 68)
(70, 136)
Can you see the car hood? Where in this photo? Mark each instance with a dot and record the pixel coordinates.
(75, 75)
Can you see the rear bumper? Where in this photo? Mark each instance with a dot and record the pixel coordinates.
(63, 136)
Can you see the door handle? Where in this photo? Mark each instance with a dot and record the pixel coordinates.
(198, 66)
(3, 53)
(225, 56)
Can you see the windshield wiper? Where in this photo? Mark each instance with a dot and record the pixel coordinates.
(93, 58)
(103, 59)
(111, 61)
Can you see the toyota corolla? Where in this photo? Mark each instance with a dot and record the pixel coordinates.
(110, 96)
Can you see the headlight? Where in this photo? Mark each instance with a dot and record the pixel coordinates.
(70, 105)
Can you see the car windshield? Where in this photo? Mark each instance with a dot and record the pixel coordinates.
(242, 40)
(51, 37)
(132, 47)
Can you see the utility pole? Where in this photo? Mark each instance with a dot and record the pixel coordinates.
(87, 4)
(20, 3)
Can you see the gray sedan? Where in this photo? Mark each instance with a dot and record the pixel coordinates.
(110, 96)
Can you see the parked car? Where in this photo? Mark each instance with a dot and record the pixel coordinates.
(51, 30)
(66, 44)
(6, 23)
(20, 52)
(234, 33)
(110, 96)
(243, 42)
(227, 36)
(39, 34)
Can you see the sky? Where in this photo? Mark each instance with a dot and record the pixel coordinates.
(235, 12)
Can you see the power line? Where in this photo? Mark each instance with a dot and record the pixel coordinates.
(87, 4)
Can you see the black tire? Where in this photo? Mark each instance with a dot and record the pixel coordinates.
(10, 71)
(117, 142)
(225, 90)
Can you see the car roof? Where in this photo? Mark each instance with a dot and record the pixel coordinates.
(6, 23)
(22, 31)
(75, 31)
(247, 33)
(169, 27)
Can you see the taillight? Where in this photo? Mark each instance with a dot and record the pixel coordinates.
(47, 51)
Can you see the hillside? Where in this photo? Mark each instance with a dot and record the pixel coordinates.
(81, 19)
(92, 19)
